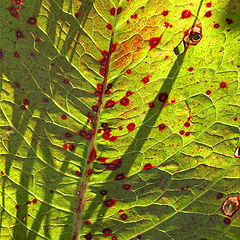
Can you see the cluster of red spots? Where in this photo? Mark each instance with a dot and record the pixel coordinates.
(13, 11)
(223, 85)
(32, 20)
(166, 24)
(104, 192)
(113, 11)
(208, 92)
(148, 166)
(85, 134)
(78, 173)
(102, 159)
(119, 176)
(109, 26)
(34, 201)
(145, 80)
(162, 127)
(134, 16)
(87, 222)
(110, 103)
(229, 21)
(129, 71)
(19, 34)
(124, 216)
(165, 13)
(115, 164)
(209, 4)
(88, 236)
(70, 147)
(153, 42)
(151, 105)
(162, 97)
(20, 2)
(93, 155)
(186, 14)
(216, 25)
(126, 186)
(208, 14)
(107, 231)
(181, 132)
(227, 221)
(63, 117)
(109, 202)
(16, 54)
(235, 119)
(190, 69)
(131, 127)
(103, 62)
(124, 101)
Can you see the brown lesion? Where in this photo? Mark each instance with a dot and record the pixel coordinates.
(231, 206)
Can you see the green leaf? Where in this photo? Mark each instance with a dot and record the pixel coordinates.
(119, 120)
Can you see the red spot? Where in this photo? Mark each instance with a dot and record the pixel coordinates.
(229, 21)
(28, 202)
(109, 86)
(128, 93)
(106, 135)
(147, 166)
(208, 14)
(114, 47)
(109, 26)
(20, 2)
(187, 134)
(161, 126)
(166, 24)
(216, 25)
(34, 200)
(76, 14)
(65, 146)
(78, 173)
(63, 117)
(219, 196)
(120, 128)
(19, 34)
(187, 124)
(153, 42)
(145, 80)
(182, 132)
(208, 92)
(173, 101)
(87, 222)
(17, 85)
(119, 176)
(99, 87)
(139, 236)
(186, 14)
(124, 216)
(107, 231)
(71, 147)
(16, 54)
(128, 71)
(223, 85)
(119, 211)
(107, 92)
(51, 191)
(119, 10)
(190, 69)
(85, 134)
(151, 105)
(114, 238)
(23, 107)
(115, 164)
(126, 186)
(165, 13)
(37, 39)
(13, 11)
(2, 173)
(104, 125)
(113, 138)
(209, 4)
(227, 221)
(95, 108)
(102, 159)
(162, 97)
(134, 16)
(235, 119)
(109, 202)
(124, 101)
(92, 155)
(131, 127)
(166, 57)
(32, 20)
(25, 102)
(104, 192)
(112, 11)
(99, 131)
(16, 206)
(90, 171)
(88, 236)
(66, 81)
(110, 103)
